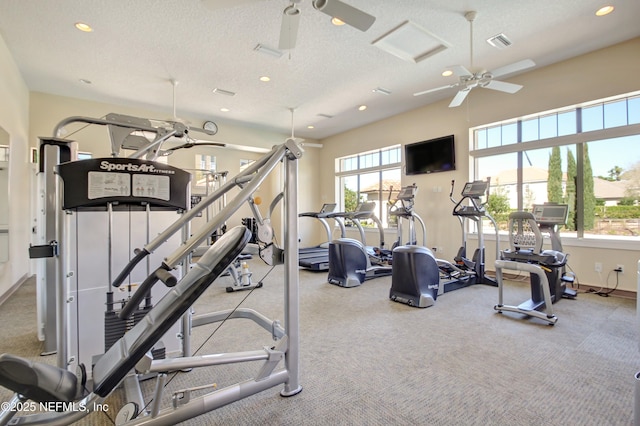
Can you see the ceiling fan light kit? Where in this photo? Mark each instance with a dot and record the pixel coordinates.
(484, 79)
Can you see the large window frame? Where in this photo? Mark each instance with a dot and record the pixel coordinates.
(572, 127)
(356, 167)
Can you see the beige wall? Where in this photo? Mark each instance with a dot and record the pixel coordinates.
(26, 116)
(596, 75)
(14, 118)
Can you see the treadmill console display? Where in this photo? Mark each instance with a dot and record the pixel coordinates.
(366, 207)
(328, 208)
(551, 214)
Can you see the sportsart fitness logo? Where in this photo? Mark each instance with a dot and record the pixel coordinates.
(130, 167)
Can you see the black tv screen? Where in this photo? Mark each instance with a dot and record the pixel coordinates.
(430, 156)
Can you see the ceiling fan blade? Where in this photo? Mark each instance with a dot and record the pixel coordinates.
(461, 71)
(225, 4)
(424, 92)
(502, 86)
(347, 14)
(289, 28)
(459, 98)
(516, 66)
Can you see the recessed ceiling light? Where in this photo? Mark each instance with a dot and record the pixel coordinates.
(447, 73)
(362, 107)
(604, 10)
(85, 81)
(265, 78)
(225, 109)
(83, 27)
(337, 21)
(310, 127)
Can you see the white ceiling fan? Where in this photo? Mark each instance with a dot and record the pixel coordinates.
(291, 16)
(480, 78)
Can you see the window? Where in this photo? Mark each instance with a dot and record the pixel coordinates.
(205, 166)
(368, 177)
(245, 163)
(586, 156)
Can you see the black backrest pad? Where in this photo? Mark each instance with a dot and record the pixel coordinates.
(126, 352)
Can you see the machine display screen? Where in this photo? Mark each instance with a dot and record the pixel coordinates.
(551, 213)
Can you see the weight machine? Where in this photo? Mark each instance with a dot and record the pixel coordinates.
(130, 356)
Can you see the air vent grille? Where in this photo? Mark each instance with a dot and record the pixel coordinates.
(499, 41)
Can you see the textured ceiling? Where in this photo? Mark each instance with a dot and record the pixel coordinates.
(138, 46)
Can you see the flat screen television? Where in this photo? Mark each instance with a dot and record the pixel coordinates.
(430, 156)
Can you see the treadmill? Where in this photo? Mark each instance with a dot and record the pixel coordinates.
(317, 258)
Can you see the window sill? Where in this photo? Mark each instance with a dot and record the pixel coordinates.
(592, 241)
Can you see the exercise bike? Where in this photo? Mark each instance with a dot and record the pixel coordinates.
(548, 277)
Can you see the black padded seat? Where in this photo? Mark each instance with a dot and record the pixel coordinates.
(36, 381)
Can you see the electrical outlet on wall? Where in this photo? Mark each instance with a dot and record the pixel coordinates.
(598, 267)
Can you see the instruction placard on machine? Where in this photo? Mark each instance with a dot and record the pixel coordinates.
(108, 184)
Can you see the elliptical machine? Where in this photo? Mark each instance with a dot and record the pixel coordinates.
(351, 262)
(415, 277)
(467, 271)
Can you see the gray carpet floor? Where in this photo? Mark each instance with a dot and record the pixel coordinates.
(365, 360)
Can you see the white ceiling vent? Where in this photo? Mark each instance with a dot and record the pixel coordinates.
(499, 41)
(411, 42)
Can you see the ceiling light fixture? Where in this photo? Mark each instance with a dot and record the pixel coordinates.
(604, 10)
(447, 73)
(83, 27)
(337, 22)
(223, 92)
(310, 127)
(346, 13)
(225, 109)
(265, 78)
(85, 81)
(268, 50)
(362, 107)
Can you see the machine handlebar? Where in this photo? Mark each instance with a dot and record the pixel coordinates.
(159, 274)
(140, 254)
